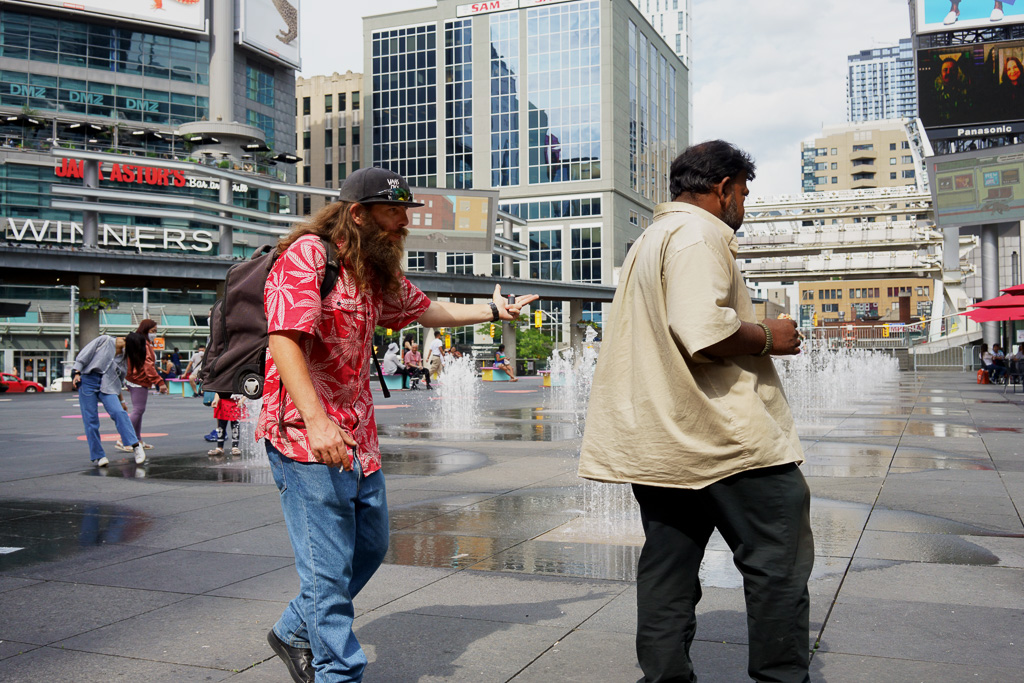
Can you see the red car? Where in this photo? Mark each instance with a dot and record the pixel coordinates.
(16, 384)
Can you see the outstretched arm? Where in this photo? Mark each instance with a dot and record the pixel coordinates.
(448, 314)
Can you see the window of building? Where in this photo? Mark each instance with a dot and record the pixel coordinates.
(634, 217)
(586, 254)
(565, 88)
(835, 180)
(564, 208)
(328, 103)
(341, 101)
(835, 166)
(892, 161)
(306, 208)
(892, 175)
(906, 159)
(355, 135)
(306, 175)
(306, 139)
(417, 261)
(909, 173)
(459, 263)
(504, 37)
(863, 148)
(905, 145)
(835, 151)
(305, 106)
(259, 85)
(328, 137)
(404, 128)
(892, 146)
(458, 43)
(265, 122)
(355, 100)
(546, 254)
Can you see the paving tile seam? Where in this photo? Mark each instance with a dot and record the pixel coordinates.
(988, 451)
(145, 659)
(846, 570)
(541, 654)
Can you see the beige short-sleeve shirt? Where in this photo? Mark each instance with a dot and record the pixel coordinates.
(661, 413)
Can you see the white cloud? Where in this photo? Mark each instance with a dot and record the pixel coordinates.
(767, 75)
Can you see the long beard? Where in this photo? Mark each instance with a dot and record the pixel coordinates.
(382, 254)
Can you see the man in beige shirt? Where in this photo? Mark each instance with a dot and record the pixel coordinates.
(686, 407)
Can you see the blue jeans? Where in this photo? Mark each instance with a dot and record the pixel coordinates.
(89, 397)
(338, 525)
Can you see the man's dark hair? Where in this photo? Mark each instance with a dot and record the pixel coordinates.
(700, 167)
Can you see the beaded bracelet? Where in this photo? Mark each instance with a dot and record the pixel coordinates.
(767, 341)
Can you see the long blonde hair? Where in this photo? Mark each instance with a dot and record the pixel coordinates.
(334, 222)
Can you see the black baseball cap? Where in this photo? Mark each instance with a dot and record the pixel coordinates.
(374, 185)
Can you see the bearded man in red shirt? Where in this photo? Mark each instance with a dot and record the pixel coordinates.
(317, 419)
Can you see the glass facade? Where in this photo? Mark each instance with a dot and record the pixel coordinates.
(101, 100)
(585, 254)
(265, 122)
(95, 46)
(564, 92)
(561, 208)
(405, 102)
(505, 99)
(634, 177)
(458, 87)
(546, 254)
(259, 85)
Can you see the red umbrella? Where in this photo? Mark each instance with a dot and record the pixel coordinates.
(1016, 289)
(996, 314)
(1004, 301)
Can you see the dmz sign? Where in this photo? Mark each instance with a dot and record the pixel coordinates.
(137, 237)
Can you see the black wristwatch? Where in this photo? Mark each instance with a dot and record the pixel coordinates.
(494, 311)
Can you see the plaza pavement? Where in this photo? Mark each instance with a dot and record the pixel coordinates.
(176, 571)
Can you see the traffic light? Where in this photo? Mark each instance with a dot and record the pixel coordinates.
(447, 341)
(814, 320)
(536, 318)
(492, 330)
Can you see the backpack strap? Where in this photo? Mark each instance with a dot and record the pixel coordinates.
(331, 272)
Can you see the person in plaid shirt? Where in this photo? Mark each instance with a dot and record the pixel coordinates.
(317, 420)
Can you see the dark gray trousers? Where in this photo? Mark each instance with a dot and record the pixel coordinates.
(764, 516)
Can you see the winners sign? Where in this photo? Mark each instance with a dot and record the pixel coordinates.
(123, 237)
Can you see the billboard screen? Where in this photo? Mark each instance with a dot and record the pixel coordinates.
(971, 85)
(983, 186)
(185, 14)
(452, 220)
(272, 27)
(934, 16)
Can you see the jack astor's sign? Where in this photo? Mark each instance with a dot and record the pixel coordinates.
(141, 175)
(124, 173)
(118, 237)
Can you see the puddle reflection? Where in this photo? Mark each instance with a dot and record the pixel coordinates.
(41, 531)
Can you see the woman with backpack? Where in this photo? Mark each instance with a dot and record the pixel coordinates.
(142, 374)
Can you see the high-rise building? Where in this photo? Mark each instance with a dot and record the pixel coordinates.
(859, 156)
(881, 83)
(328, 132)
(671, 19)
(572, 109)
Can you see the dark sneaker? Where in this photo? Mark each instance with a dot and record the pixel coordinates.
(298, 660)
(212, 436)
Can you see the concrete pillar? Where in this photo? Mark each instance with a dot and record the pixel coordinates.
(222, 62)
(90, 219)
(575, 330)
(990, 276)
(430, 261)
(88, 321)
(508, 330)
(506, 261)
(226, 246)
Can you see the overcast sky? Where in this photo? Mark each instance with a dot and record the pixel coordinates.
(766, 75)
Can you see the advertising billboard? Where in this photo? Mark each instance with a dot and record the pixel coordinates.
(934, 16)
(452, 220)
(983, 186)
(966, 86)
(272, 27)
(184, 14)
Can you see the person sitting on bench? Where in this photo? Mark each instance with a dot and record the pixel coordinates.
(392, 364)
(501, 363)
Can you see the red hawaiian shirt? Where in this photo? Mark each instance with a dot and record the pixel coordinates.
(337, 343)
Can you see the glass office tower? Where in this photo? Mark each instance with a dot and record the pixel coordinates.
(572, 109)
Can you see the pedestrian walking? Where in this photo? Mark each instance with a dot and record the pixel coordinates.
(686, 407)
(142, 375)
(317, 421)
(97, 374)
